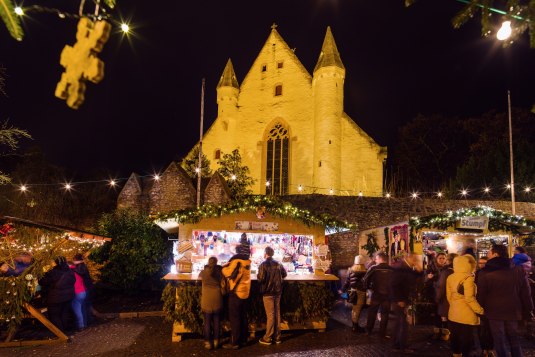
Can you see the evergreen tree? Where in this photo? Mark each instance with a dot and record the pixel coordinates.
(236, 174)
(191, 162)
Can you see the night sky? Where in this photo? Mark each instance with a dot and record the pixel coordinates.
(399, 62)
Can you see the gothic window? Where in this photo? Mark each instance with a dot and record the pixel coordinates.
(277, 160)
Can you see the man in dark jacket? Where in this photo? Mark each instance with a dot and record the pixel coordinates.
(378, 280)
(504, 293)
(58, 287)
(402, 282)
(270, 275)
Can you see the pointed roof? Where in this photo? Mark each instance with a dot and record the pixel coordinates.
(329, 55)
(228, 78)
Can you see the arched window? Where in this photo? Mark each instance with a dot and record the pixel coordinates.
(277, 160)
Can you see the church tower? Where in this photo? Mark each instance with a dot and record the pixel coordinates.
(328, 99)
(227, 94)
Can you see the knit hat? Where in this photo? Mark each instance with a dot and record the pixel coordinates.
(243, 248)
(359, 259)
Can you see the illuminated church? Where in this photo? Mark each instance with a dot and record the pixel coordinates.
(290, 126)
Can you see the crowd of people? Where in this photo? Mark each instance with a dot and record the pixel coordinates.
(478, 305)
(66, 290)
(234, 279)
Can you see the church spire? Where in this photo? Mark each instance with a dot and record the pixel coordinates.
(329, 55)
(228, 78)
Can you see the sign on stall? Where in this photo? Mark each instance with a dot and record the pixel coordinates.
(479, 222)
(256, 226)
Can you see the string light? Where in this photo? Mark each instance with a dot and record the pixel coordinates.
(233, 177)
(156, 177)
(125, 28)
(19, 11)
(331, 191)
(388, 195)
(508, 186)
(361, 194)
(197, 170)
(486, 189)
(464, 192)
(23, 188)
(300, 188)
(67, 186)
(414, 195)
(267, 183)
(113, 183)
(527, 189)
(440, 194)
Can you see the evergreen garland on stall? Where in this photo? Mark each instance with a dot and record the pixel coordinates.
(272, 204)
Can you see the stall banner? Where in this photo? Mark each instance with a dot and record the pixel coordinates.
(256, 226)
(479, 222)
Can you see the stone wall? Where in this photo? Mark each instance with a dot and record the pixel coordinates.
(130, 195)
(172, 191)
(343, 247)
(216, 192)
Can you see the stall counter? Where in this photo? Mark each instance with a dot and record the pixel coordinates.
(290, 277)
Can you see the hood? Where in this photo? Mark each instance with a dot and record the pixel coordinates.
(464, 264)
(497, 263)
(520, 258)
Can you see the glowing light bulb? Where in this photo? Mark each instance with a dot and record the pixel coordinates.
(233, 177)
(505, 31)
(439, 194)
(197, 170)
(388, 195)
(508, 186)
(68, 186)
(414, 195)
(19, 11)
(331, 191)
(23, 188)
(464, 192)
(156, 177)
(300, 188)
(361, 194)
(267, 183)
(112, 183)
(527, 189)
(486, 189)
(125, 28)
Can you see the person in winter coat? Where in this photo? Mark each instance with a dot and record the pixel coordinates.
(270, 276)
(432, 275)
(238, 273)
(402, 284)
(58, 288)
(504, 293)
(464, 308)
(80, 268)
(211, 302)
(355, 285)
(378, 280)
(78, 303)
(440, 296)
(521, 259)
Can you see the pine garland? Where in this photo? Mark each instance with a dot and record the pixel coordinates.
(273, 205)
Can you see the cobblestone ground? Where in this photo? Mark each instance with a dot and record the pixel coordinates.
(152, 337)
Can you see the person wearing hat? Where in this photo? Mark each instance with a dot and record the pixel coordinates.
(238, 273)
(58, 287)
(354, 286)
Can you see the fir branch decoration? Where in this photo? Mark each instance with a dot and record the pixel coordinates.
(371, 245)
(11, 20)
(273, 205)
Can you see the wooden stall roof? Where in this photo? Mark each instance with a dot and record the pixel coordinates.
(70, 231)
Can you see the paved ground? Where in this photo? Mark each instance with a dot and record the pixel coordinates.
(152, 337)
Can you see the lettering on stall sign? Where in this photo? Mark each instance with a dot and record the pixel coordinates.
(256, 226)
(473, 222)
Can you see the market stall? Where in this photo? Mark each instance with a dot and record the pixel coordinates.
(297, 237)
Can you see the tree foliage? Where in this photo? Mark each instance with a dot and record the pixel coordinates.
(521, 13)
(139, 251)
(236, 174)
(191, 162)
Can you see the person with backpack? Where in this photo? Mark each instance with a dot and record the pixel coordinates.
(378, 280)
(270, 276)
(211, 302)
(238, 274)
(356, 290)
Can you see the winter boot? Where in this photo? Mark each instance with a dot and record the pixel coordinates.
(445, 334)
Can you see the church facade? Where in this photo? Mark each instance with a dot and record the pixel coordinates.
(290, 127)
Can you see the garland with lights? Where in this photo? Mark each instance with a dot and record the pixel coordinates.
(498, 221)
(272, 205)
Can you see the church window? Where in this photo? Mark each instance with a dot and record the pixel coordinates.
(217, 154)
(280, 65)
(277, 163)
(264, 68)
(278, 90)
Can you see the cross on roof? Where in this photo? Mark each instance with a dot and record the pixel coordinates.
(274, 26)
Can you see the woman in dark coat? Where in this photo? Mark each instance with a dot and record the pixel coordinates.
(211, 302)
(440, 295)
(58, 288)
(432, 275)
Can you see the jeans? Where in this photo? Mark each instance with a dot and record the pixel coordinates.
(211, 326)
(238, 319)
(357, 308)
(401, 327)
(273, 313)
(502, 332)
(384, 304)
(79, 308)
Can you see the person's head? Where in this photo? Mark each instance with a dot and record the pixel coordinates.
(359, 260)
(212, 262)
(440, 259)
(25, 258)
(498, 250)
(4, 268)
(60, 261)
(520, 250)
(450, 257)
(481, 262)
(243, 239)
(381, 257)
(78, 257)
(268, 252)
(464, 264)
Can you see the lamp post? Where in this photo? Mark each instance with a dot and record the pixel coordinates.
(503, 34)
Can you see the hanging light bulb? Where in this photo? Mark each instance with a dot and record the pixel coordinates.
(233, 177)
(486, 189)
(361, 194)
(388, 195)
(23, 188)
(439, 194)
(125, 28)
(19, 11)
(156, 177)
(331, 191)
(300, 188)
(112, 183)
(505, 31)
(527, 189)
(414, 195)
(464, 192)
(267, 183)
(67, 186)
